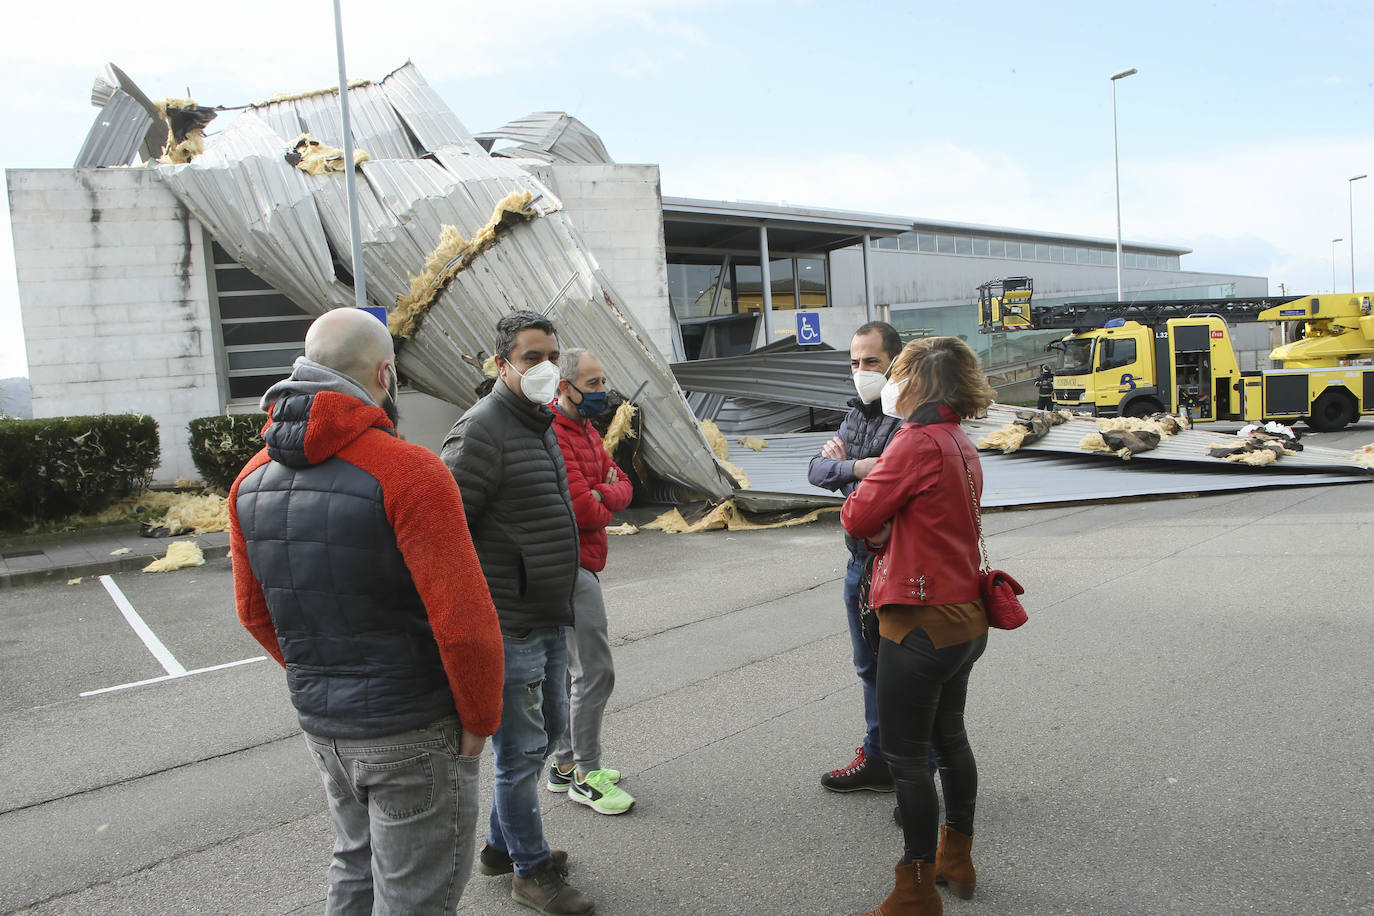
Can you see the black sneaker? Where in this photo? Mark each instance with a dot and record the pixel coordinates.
(547, 892)
(862, 773)
(492, 862)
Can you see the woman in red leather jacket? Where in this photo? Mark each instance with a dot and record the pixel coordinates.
(917, 503)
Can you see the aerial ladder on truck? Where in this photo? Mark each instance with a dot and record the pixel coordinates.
(1142, 357)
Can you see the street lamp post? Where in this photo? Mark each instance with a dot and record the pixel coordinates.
(1116, 168)
(1351, 186)
(1333, 263)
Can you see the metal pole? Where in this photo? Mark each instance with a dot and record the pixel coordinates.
(868, 280)
(766, 275)
(1333, 263)
(1116, 169)
(355, 236)
(1351, 186)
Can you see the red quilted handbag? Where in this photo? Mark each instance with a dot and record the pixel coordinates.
(1003, 608)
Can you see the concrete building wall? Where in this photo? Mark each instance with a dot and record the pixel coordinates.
(618, 211)
(114, 300)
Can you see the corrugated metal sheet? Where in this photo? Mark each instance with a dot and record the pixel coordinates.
(749, 417)
(777, 475)
(116, 134)
(548, 136)
(428, 118)
(806, 378)
(282, 223)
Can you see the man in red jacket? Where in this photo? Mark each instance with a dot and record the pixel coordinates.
(598, 489)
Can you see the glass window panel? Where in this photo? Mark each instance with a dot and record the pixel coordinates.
(691, 288)
(980, 247)
(888, 244)
(1028, 251)
(748, 287)
(780, 279)
(234, 279)
(1057, 253)
(1083, 255)
(268, 305)
(279, 360)
(963, 244)
(908, 241)
(1095, 256)
(995, 248)
(1042, 252)
(944, 244)
(265, 332)
(252, 386)
(811, 282)
(1109, 258)
(925, 241)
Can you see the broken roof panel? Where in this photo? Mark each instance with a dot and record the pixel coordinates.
(429, 119)
(548, 136)
(117, 132)
(806, 378)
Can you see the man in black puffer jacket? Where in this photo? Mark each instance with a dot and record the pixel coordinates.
(842, 463)
(505, 456)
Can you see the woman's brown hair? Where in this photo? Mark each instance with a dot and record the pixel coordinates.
(944, 370)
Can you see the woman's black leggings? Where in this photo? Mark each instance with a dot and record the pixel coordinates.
(921, 692)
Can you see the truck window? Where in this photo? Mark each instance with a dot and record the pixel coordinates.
(1076, 357)
(1116, 352)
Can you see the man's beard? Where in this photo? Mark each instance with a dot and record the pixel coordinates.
(393, 413)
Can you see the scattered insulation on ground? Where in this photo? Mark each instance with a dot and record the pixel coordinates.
(753, 442)
(728, 516)
(1134, 441)
(1259, 450)
(626, 528)
(1095, 442)
(1165, 424)
(721, 447)
(621, 428)
(194, 513)
(1028, 426)
(315, 158)
(185, 129)
(452, 256)
(119, 552)
(1365, 455)
(180, 555)
(76, 581)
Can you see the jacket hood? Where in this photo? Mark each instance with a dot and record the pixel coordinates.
(315, 413)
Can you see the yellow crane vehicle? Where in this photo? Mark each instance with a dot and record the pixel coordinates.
(1137, 358)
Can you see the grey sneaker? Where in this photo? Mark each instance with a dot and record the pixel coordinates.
(547, 892)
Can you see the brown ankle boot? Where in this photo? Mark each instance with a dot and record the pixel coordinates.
(954, 862)
(914, 893)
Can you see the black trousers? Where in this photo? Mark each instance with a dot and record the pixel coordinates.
(921, 693)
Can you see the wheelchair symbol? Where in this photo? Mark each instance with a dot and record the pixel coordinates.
(808, 328)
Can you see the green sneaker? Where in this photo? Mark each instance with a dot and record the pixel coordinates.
(600, 793)
(559, 781)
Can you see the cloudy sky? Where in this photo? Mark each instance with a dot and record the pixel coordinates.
(1238, 135)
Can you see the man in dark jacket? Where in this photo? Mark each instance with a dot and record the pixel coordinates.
(843, 462)
(353, 568)
(505, 457)
(598, 489)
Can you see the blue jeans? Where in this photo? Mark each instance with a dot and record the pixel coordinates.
(865, 662)
(534, 715)
(404, 809)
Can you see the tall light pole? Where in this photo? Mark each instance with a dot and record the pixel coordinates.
(1333, 263)
(1116, 168)
(1351, 186)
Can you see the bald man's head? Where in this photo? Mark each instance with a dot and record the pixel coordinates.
(350, 341)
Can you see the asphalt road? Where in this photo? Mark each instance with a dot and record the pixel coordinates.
(1185, 726)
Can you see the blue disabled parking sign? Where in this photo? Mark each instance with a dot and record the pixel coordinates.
(808, 327)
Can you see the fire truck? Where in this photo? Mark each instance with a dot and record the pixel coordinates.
(1138, 358)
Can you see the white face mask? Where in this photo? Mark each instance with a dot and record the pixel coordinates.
(869, 385)
(540, 383)
(891, 391)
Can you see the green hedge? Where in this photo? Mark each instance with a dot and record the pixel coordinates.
(53, 468)
(221, 446)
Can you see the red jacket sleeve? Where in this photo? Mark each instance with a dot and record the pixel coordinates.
(616, 496)
(426, 511)
(888, 487)
(249, 600)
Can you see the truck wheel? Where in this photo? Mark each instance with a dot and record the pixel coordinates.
(1331, 411)
(1143, 408)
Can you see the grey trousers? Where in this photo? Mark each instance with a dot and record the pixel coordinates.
(591, 677)
(404, 809)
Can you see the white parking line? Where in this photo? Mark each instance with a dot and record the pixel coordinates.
(174, 668)
(155, 646)
(172, 677)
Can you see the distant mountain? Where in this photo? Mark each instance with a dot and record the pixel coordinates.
(14, 398)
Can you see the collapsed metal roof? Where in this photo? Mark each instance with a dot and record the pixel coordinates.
(547, 136)
(427, 172)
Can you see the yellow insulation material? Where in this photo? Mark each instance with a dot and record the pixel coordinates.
(621, 428)
(180, 555)
(1166, 426)
(200, 514)
(180, 152)
(727, 515)
(716, 439)
(315, 158)
(1008, 438)
(754, 442)
(293, 96)
(1260, 457)
(1365, 455)
(452, 256)
(626, 528)
(1093, 442)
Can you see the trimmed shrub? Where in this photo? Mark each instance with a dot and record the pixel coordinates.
(221, 446)
(62, 466)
